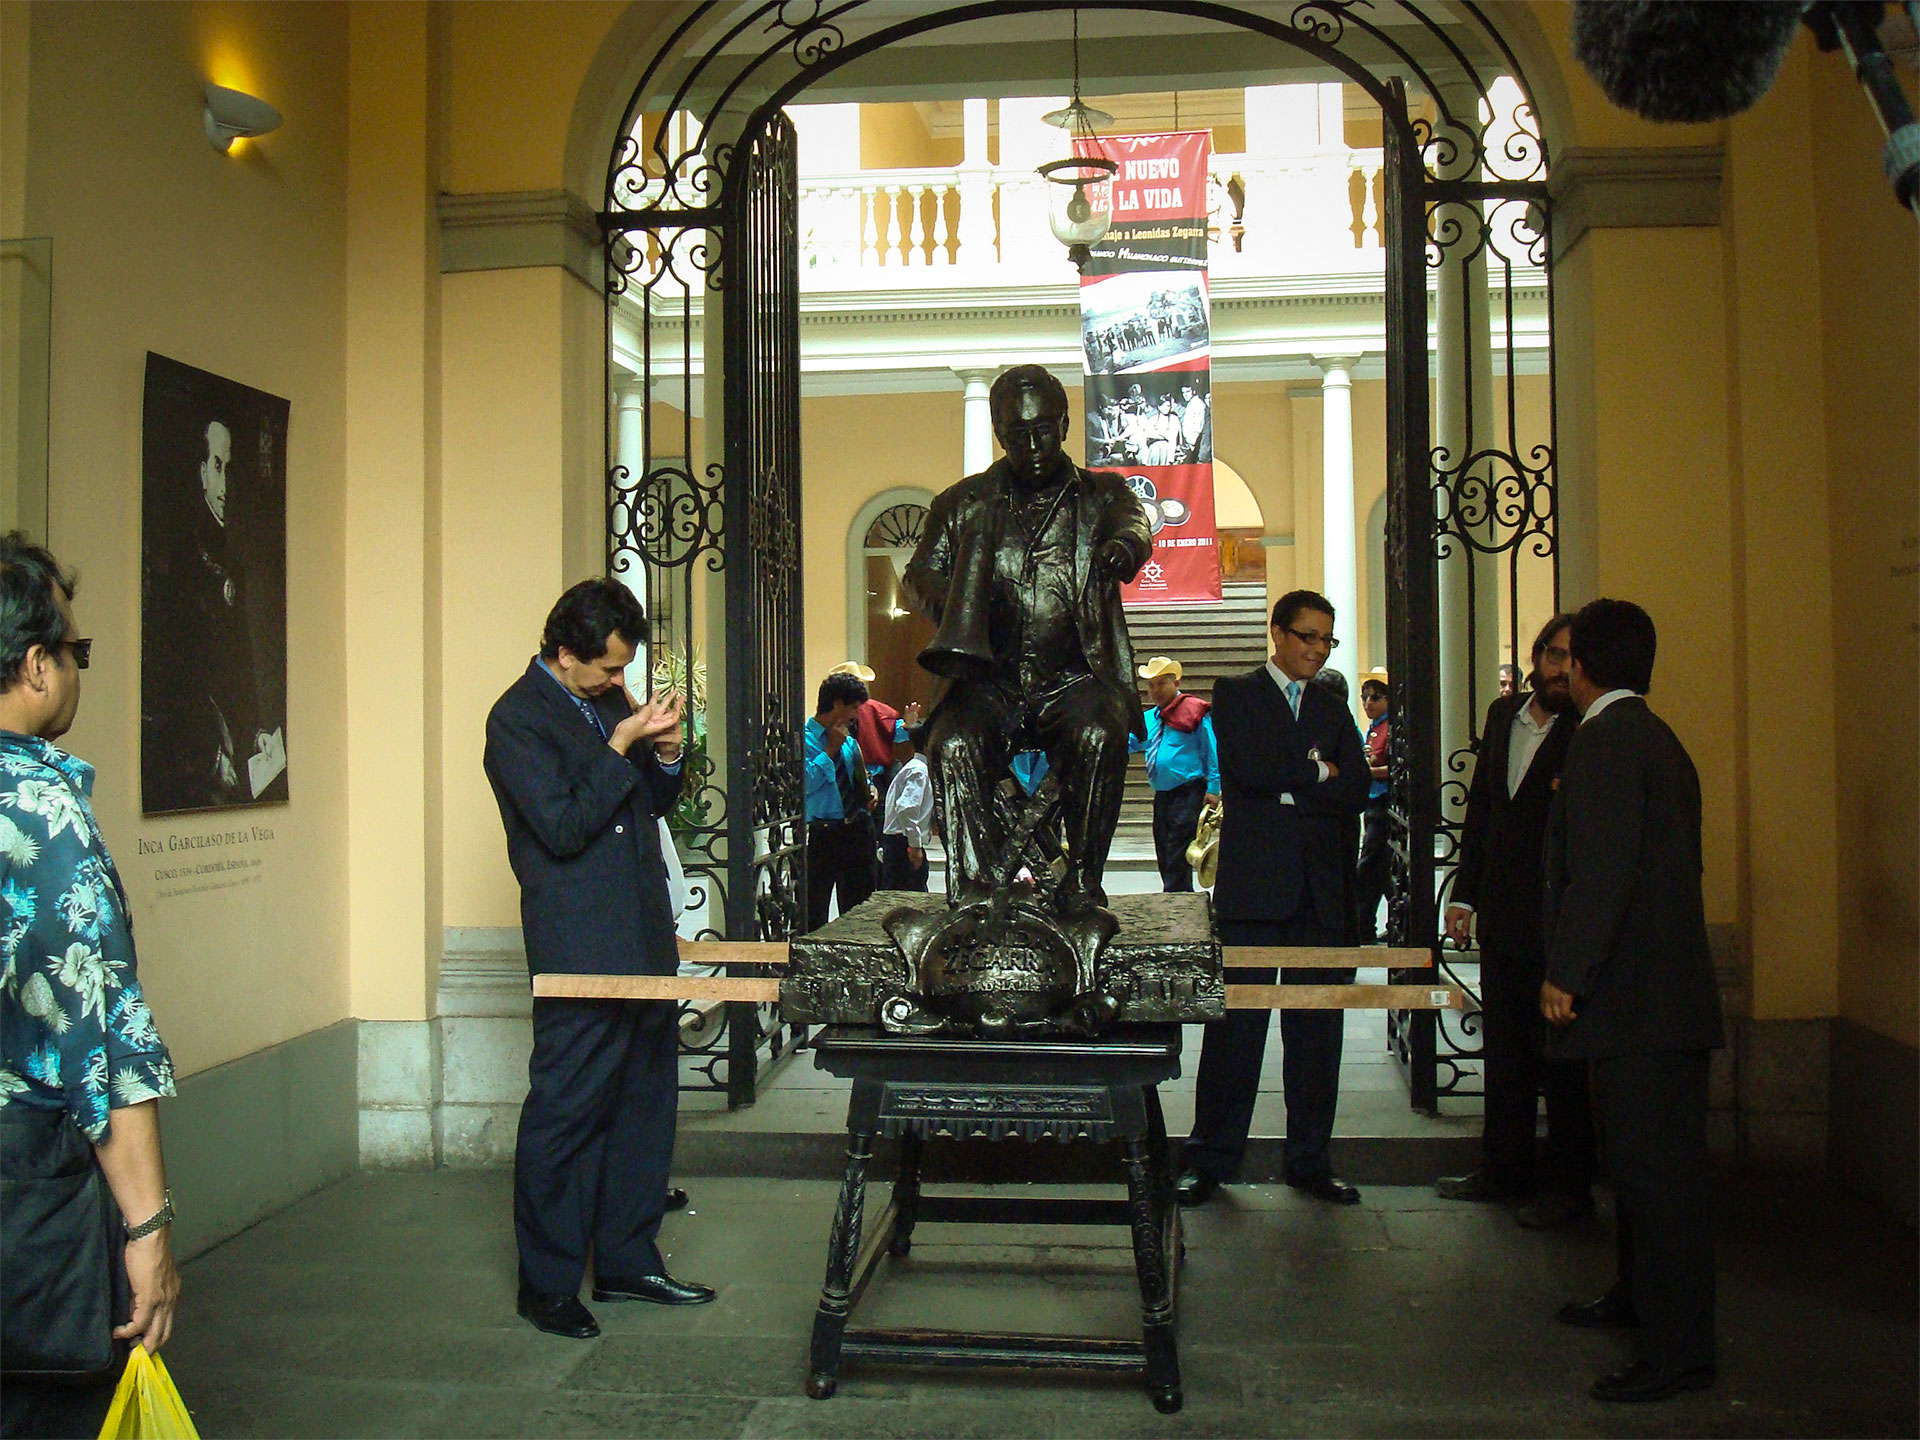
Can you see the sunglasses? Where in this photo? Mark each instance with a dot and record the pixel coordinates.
(82, 651)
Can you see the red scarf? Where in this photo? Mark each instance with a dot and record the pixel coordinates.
(1185, 713)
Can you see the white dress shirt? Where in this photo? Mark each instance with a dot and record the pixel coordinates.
(910, 804)
(1605, 700)
(1291, 695)
(1523, 744)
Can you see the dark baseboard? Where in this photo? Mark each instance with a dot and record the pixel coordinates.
(1873, 1129)
(250, 1137)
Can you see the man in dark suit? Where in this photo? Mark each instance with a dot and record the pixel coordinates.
(1630, 988)
(1497, 884)
(1293, 780)
(582, 775)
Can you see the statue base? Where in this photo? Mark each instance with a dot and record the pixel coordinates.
(1007, 966)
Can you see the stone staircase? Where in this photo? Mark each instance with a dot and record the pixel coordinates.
(1209, 641)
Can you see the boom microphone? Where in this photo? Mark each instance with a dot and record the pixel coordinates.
(1685, 60)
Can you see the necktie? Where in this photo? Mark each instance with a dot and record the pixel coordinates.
(852, 802)
(1293, 697)
(593, 719)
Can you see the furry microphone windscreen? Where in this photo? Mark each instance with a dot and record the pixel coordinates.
(1684, 60)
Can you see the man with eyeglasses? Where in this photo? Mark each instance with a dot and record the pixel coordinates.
(82, 1066)
(1293, 778)
(1497, 887)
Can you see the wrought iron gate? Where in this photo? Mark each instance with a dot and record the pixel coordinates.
(702, 260)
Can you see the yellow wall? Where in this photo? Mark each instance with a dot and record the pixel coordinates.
(894, 137)
(1869, 317)
(851, 448)
(235, 264)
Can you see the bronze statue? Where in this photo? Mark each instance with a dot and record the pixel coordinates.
(1020, 568)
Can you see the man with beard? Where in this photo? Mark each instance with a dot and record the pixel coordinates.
(1522, 749)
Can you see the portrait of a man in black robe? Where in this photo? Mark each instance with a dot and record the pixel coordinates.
(213, 671)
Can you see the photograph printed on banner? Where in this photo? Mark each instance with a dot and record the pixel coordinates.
(213, 631)
(1164, 418)
(1147, 320)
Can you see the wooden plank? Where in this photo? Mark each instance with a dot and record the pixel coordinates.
(733, 952)
(1330, 957)
(766, 991)
(761, 990)
(1345, 997)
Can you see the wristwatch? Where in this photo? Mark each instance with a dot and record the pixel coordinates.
(159, 1221)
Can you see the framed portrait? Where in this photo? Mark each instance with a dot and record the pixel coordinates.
(213, 613)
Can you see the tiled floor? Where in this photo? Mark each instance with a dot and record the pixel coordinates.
(384, 1306)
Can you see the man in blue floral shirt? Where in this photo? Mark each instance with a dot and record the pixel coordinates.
(78, 1047)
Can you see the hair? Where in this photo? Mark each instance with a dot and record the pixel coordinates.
(1333, 679)
(1287, 608)
(583, 618)
(1375, 690)
(841, 689)
(1547, 632)
(29, 613)
(1614, 642)
(1024, 377)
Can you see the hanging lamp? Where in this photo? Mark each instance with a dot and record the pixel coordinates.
(1080, 202)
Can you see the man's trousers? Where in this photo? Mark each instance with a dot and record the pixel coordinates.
(1176, 815)
(1231, 1055)
(596, 1140)
(897, 872)
(840, 857)
(1514, 1035)
(1653, 1120)
(1376, 868)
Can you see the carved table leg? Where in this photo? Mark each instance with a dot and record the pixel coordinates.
(906, 1195)
(1161, 1155)
(1151, 1262)
(843, 1245)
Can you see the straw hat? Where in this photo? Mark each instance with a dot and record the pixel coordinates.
(855, 669)
(1161, 665)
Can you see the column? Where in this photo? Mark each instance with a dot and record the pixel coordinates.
(1463, 426)
(1339, 571)
(976, 448)
(976, 187)
(630, 452)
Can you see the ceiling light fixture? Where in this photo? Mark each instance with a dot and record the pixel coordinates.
(1080, 206)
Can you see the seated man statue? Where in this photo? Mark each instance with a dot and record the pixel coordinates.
(1020, 569)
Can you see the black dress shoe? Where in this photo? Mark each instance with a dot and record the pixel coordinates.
(1643, 1380)
(1554, 1211)
(1329, 1188)
(654, 1289)
(1612, 1311)
(1194, 1187)
(562, 1315)
(676, 1199)
(1474, 1185)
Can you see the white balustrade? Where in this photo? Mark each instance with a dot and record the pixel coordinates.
(1296, 212)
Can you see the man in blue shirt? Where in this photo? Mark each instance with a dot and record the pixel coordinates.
(841, 850)
(1183, 767)
(1370, 883)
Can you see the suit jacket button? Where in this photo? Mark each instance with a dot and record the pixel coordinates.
(619, 829)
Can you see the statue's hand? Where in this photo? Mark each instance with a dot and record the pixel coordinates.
(1117, 560)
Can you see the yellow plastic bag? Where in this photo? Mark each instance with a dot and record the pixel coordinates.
(146, 1406)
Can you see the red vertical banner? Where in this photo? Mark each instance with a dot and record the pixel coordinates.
(1146, 342)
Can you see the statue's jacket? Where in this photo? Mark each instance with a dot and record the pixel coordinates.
(951, 576)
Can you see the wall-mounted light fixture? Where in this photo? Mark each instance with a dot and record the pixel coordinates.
(234, 115)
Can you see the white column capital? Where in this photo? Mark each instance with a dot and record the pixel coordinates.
(630, 394)
(1336, 369)
(971, 376)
